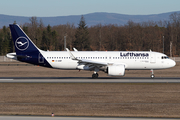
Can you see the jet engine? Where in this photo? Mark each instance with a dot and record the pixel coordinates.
(116, 70)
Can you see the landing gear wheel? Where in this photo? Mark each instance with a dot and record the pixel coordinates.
(95, 76)
(152, 76)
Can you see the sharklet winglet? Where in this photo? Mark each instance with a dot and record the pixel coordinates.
(71, 55)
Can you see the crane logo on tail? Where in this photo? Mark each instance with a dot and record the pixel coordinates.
(22, 43)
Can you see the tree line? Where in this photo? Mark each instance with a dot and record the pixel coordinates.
(132, 36)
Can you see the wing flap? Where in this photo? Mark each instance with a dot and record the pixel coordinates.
(94, 62)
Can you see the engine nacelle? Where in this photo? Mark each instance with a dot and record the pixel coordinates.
(116, 70)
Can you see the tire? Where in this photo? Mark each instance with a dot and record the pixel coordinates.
(152, 76)
(94, 76)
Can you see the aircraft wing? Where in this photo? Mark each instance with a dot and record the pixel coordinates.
(96, 63)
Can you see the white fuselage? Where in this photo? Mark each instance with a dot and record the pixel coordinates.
(133, 60)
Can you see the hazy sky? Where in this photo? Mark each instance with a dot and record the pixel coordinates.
(46, 8)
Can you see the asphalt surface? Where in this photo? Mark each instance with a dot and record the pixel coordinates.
(86, 80)
(82, 80)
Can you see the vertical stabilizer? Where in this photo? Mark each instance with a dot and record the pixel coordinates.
(22, 42)
(26, 50)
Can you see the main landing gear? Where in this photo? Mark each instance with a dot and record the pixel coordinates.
(95, 74)
(152, 74)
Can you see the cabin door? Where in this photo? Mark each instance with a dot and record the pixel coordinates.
(152, 57)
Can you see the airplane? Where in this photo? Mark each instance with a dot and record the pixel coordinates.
(114, 63)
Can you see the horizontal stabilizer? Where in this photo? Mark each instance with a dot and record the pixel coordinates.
(11, 56)
(15, 56)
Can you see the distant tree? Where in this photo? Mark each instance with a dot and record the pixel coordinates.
(1, 42)
(34, 21)
(49, 39)
(41, 24)
(175, 34)
(33, 29)
(5, 41)
(25, 29)
(54, 45)
(45, 43)
(14, 22)
(82, 36)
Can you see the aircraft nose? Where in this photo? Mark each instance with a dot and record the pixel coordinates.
(172, 63)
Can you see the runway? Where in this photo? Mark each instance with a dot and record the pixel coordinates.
(87, 80)
(74, 118)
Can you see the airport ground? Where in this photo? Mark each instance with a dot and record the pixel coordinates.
(19, 69)
(88, 99)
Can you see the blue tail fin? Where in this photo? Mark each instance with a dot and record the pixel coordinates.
(22, 42)
(26, 50)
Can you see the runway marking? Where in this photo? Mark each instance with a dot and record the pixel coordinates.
(6, 79)
(87, 80)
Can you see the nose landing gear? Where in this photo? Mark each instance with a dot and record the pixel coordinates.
(152, 74)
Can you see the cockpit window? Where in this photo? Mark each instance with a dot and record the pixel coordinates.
(164, 57)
